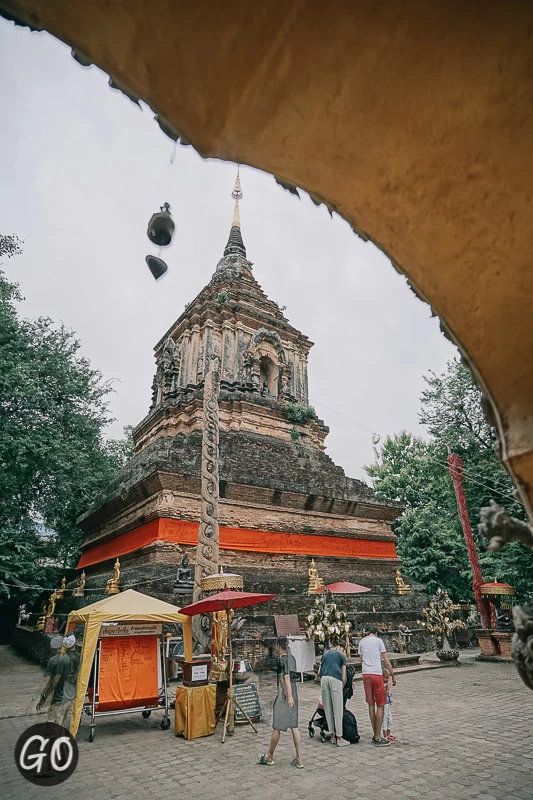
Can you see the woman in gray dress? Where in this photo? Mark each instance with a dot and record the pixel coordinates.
(285, 712)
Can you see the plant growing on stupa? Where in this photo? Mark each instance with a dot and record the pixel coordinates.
(325, 623)
(296, 412)
(439, 618)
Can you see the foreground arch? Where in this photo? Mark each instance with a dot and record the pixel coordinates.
(413, 120)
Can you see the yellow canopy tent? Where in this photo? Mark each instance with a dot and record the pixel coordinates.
(128, 606)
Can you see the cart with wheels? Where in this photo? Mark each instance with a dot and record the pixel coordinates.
(128, 657)
(123, 666)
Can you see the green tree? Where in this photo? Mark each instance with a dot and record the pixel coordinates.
(54, 457)
(431, 542)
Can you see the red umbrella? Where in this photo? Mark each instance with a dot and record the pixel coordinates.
(225, 601)
(345, 587)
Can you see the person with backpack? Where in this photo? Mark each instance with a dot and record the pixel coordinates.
(332, 674)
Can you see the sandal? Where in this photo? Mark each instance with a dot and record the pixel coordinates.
(296, 763)
(264, 761)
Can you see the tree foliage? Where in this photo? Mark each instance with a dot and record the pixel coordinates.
(415, 471)
(54, 457)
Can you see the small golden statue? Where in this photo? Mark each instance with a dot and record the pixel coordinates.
(219, 664)
(39, 625)
(113, 584)
(61, 591)
(315, 583)
(79, 589)
(51, 604)
(401, 586)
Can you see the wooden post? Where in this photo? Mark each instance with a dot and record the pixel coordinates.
(456, 471)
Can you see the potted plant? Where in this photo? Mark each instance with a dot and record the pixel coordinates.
(439, 620)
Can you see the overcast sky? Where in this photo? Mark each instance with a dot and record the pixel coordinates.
(83, 169)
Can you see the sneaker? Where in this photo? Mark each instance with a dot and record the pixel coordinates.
(342, 742)
(381, 742)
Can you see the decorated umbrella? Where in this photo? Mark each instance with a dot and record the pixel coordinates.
(226, 601)
(496, 592)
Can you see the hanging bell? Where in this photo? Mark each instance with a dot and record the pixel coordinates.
(161, 227)
(156, 266)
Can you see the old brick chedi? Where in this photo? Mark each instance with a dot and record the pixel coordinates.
(282, 499)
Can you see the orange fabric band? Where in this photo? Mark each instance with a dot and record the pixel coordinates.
(184, 532)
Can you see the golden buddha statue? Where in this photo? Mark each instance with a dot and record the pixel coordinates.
(219, 664)
(315, 583)
(39, 625)
(61, 591)
(401, 586)
(50, 609)
(79, 589)
(113, 584)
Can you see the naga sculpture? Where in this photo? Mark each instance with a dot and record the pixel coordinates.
(208, 535)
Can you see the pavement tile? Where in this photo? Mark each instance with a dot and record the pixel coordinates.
(442, 752)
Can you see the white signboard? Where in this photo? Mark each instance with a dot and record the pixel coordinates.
(132, 629)
(199, 672)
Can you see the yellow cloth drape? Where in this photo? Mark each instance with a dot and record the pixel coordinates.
(128, 606)
(195, 711)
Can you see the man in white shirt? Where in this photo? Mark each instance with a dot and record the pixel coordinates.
(371, 649)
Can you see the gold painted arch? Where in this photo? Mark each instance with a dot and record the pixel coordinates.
(412, 119)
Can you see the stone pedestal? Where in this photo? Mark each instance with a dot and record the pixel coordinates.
(494, 645)
(503, 641)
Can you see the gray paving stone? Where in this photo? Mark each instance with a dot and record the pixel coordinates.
(444, 749)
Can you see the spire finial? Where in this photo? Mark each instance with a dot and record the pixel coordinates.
(235, 243)
(237, 195)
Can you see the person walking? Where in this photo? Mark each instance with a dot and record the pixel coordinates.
(61, 686)
(285, 711)
(371, 649)
(332, 674)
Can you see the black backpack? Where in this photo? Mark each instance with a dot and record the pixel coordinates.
(349, 727)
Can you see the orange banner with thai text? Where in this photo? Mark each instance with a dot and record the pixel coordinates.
(128, 672)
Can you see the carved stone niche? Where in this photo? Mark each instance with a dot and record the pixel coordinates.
(266, 365)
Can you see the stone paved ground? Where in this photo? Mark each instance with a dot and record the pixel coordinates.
(464, 733)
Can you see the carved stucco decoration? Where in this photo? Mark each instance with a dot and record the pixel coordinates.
(500, 528)
(166, 377)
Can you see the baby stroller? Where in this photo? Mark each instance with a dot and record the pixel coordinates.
(349, 722)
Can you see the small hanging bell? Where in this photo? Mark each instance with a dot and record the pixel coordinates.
(161, 227)
(156, 266)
